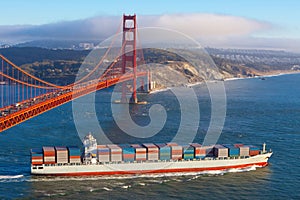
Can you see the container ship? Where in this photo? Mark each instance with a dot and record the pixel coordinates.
(113, 159)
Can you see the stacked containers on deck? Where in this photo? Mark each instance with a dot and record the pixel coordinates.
(36, 156)
(220, 151)
(128, 152)
(74, 154)
(253, 150)
(233, 151)
(188, 152)
(61, 154)
(140, 152)
(49, 155)
(164, 151)
(115, 152)
(176, 151)
(152, 151)
(103, 153)
(203, 151)
(197, 150)
(207, 150)
(244, 150)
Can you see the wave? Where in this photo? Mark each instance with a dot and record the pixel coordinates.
(11, 177)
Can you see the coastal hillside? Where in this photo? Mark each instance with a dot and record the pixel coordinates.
(61, 66)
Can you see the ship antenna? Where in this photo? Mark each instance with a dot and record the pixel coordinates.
(264, 147)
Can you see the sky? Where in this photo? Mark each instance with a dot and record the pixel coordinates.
(270, 24)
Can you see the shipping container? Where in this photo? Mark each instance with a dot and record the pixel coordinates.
(49, 155)
(140, 152)
(244, 150)
(152, 151)
(220, 151)
(74, 154)
(61, 155)
(254, 152)
(164, 151)
(233, 151)
(253, 147)
(188, 152)
(202, 151)
(49, 151)
(36, 151)
(103, 153)
(176, 152)
(115, 152)
(128, 153)
(74, 151)
(37, 157)
(198, 151)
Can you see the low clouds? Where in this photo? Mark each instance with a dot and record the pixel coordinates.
(208, 25)
(210, 29)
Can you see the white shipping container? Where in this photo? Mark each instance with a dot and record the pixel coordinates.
(220, 151)
(62, 160)
(49, 158)
(140, 156)
(244, 151)
(75, 160)
(116, 157)
(176, 148)
(153, 156)
(104, 158)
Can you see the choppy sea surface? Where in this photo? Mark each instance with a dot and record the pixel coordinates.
(258, 111)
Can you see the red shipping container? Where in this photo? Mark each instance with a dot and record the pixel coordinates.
(37, 163)
(152, 150)
(176, 157)
(170, 144)
(128, 155)
(49, 153)
(238, 145)
(254, 152)
(74, 157)
(37, 157)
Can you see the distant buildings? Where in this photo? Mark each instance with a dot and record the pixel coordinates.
(86, 46)
(4, 46)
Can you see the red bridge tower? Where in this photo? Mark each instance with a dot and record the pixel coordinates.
(129, 53)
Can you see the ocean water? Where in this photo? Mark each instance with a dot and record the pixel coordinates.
(257, 111)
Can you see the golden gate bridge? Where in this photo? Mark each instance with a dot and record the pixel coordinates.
(24, 96)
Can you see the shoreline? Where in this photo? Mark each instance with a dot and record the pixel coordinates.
(275, 73)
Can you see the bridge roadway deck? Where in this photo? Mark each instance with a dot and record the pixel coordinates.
(32, 111)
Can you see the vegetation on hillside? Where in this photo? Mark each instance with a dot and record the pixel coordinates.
(61, 66)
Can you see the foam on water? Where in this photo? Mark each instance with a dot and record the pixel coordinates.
(12, 178)
(107, 189)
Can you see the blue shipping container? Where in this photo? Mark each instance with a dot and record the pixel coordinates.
(74, 151)
(129, 150)
(233, 151)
